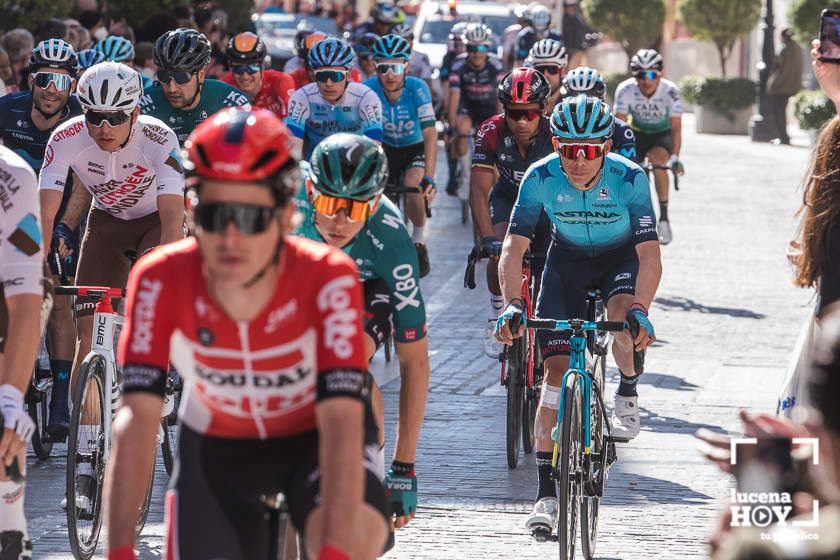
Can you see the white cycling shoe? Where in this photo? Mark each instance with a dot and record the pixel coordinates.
(665, 232)
(492, 347)
(625, 420)
(543, 518)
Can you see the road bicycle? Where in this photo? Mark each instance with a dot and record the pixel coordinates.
(37, 401)
(94, 405)
(284, 540)
(521, 371)
(651, 167)
(584, 448)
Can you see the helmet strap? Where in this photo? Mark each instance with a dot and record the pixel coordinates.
(197, 94)
(275, 258)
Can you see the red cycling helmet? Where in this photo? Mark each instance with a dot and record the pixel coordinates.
(524, 85)
(242, 144)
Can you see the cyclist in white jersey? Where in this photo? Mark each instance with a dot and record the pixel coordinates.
(331, 103)
(130, 164)
(20, 297)
(652, 106)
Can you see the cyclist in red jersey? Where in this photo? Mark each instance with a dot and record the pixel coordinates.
(302, 76)
(276, 395)
(265, 88)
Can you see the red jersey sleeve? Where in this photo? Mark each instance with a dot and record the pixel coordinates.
(486, 144)
(284, 87)
(342, 364)
(149, 322)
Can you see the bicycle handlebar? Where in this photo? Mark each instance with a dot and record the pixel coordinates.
(476, 254)
(575, 324)
(89, 291)
(648, 166)
(404, 189)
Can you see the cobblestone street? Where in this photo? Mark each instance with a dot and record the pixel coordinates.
(726, 316)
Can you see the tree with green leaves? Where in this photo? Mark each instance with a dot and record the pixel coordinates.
(635, 24)
(720, 21)
(804, 17)
(30, 14)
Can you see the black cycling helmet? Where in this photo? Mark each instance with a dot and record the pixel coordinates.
(522, 86)
(182, 49)
(245, 48)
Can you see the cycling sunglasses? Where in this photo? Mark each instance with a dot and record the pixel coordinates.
(476, 48)
(519, 114)
(335, 76)
(330, 206)
(113, 118)
(551, 70)
(181, 77)
(396, 68)
(62, 82)
(647, 75)
(574, 151)
(249, 219)
(245, 68)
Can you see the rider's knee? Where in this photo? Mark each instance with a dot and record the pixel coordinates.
(15, 546)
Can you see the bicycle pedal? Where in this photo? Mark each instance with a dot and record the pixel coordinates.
(542, 533)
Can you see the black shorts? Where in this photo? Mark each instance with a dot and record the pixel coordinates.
(478, 112)
(402, 159)
(213, 507)
(564, 286)
(646, 142)
(378, 310)
(501, 205)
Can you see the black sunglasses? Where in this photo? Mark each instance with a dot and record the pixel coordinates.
(116, 118)
(181, 77)
(552, 70)
(248, 218)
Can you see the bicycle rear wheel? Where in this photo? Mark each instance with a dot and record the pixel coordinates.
(594, 477)
(532, 397)
(37, 404)
(515, 398)
(570, 469)
(84, 524)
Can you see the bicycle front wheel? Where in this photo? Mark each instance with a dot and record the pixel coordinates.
(84, 511)
(597, 471)
(569, 465)
(532, 395)
(515, 399)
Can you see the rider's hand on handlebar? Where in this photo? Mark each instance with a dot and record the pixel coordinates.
(401, 488)
(491, 246)
(511, 314)
(17, 424)
(62, 240)
(676, 165)
(637, 319)
(427, 186)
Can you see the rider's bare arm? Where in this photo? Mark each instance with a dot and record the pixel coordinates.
(171, 211)
(430, 150)
(676, 133)
(78, 205)
(454, 101)
(650, 272)
(414, 389)
(482, 180)
(510, 265)
(130, 464)
(50, 202)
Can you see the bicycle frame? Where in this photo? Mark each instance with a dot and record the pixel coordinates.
(577, 366)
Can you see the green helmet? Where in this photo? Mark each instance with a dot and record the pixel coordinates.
(349, 166)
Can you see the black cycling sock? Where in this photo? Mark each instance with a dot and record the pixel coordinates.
(663, 210)
(627, 386)
(60, 388)
(547, 488)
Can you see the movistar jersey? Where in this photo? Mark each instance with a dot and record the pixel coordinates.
(215, 95)
(616, 212)
(648, 115)
(382, 250)
(404, 121)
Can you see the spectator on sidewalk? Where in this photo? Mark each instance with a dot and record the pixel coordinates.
(784, 81)
(574, 30)
(18, 44)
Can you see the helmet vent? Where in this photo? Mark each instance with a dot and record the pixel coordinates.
(368, 174)
(267, 156)
(325, 167)
(205, 161)
(103, 92)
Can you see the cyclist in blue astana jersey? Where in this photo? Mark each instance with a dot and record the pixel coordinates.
(331, 103)
(342, 205)
(604, 235)
(409, 137)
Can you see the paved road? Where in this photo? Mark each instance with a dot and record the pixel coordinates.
(726, 315)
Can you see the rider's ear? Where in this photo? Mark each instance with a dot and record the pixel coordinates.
(608, 145)
(555, 142)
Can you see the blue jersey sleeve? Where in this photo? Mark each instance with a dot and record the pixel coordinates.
(624, 141)
(639, 206)
(298, 114)
(526, 211)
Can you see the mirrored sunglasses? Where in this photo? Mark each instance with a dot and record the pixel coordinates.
(476, 48)
(115, 118)
(519, 114)
(62, 82)
(331, 75)
(396, 68)
(246, 68)
(330, 206)
(647, 75)
(574, 151)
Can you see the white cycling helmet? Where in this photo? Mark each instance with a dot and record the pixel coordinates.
(540, 18)
(549, 51)
(646, 59)
(110, 86)
(476, 33)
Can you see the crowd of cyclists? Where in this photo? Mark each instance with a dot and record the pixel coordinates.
(296, 261)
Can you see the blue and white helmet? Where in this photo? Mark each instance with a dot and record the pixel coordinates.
(89, 57)
(549, 51)
(582, 118)
(53, 53)
(331, 52)
(391, 46)
(540, 18)
(584, 80)
(476, 33)
(116, 48)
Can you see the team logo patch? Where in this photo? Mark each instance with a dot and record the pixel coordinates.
(27, 236)
(205, 336)
(604, 192)
(646, 221)
(622, 276)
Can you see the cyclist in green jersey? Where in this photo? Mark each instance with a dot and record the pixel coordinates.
(342, 205)
(182, 97)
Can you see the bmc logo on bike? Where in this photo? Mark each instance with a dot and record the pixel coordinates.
(340, 320)
(762, 509)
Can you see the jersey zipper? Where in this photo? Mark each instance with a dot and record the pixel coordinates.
(257, 406)
(588, 228)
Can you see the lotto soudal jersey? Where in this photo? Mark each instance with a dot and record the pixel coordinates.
(404, 120)
(252, 379)
(125, 183)
(477, 85)
(496, 149)
(648, 114)
(312, 118)
(383, 249)
(215, 95)
(615, 212)
(21, 257)
(274, 94)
